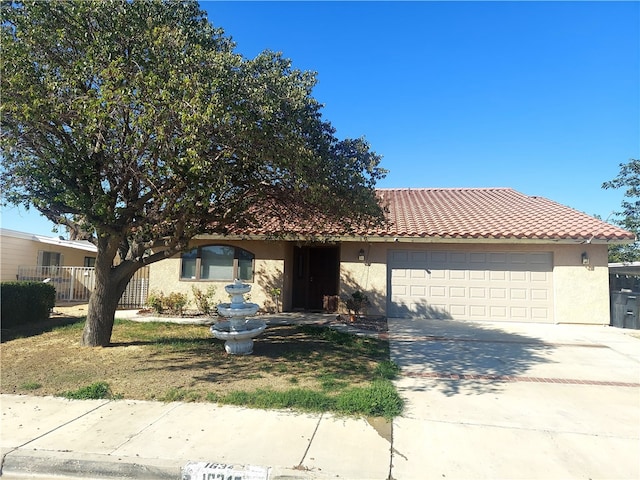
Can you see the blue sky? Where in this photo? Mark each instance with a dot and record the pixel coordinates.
(542, 97)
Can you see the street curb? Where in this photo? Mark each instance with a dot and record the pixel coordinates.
(63, 464)
(18, 464)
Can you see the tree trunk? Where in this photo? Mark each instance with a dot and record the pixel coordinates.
(101, 314)
(111, 282)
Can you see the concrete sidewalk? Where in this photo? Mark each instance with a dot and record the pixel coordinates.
(152, 440)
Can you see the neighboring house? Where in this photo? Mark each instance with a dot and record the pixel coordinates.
(464, 253)
(19, 249)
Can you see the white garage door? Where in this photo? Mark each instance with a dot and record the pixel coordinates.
(501, 286)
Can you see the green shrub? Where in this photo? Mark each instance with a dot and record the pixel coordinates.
(155, 301)
(204, 300)
(25, 302)
(173, 303)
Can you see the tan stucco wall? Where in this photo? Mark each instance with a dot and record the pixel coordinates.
(269, 273)
(368, 276)
(581, 293)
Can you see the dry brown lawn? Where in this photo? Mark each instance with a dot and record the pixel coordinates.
(166, 361)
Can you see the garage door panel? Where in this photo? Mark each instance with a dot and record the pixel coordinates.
(418, 273)
(437, 291)
(514, 286)
(497, 276)
(518, 294)
(478, 275)
(477, 292)
(517, 276)
(540, 276)
(458, 310)
(437, 275)
(518, 314)
(457, 275)
(418, 290)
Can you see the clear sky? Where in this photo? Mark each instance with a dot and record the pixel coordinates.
(542, 97)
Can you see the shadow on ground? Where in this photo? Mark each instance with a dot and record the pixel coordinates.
(37, 328)
(462, 357)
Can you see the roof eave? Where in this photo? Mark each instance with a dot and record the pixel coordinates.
(417, 239)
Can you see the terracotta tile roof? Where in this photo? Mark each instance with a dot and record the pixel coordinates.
(491, 213)
(464, 213)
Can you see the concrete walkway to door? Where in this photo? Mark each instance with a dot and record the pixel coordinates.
(516, 401)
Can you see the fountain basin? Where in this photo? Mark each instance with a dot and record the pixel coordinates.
(238, 341)
(230, 310)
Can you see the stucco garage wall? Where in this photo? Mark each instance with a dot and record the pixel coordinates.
(269, 273)
(368, 276)
(581, 293)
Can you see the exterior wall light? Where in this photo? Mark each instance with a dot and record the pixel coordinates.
(585, 258)
(361, 255)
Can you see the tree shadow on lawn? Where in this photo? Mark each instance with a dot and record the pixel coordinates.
(37, 328)
(285, 350)
(462, 357)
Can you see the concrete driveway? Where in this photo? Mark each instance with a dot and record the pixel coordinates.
(516, 401)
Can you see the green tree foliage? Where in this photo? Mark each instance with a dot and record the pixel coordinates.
(629, 217)
(135, 124)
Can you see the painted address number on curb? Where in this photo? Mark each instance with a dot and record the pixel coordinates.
(223, 471)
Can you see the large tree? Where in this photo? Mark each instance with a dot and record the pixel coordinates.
(137, 123)
(629, 217)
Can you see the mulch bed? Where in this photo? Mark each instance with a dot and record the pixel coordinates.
(370, 323)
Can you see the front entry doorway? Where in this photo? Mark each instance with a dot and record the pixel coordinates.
(317, 271)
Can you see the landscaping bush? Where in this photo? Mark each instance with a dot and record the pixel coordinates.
(204, 300)
(25, 302)
(173, 303)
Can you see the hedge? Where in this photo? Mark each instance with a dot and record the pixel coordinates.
(25, 302)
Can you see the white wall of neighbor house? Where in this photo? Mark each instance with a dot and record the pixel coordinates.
(269, 268)
(20, 249)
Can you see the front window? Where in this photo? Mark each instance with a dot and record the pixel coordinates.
(217, 263)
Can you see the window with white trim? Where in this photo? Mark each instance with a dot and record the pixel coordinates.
(217, 263)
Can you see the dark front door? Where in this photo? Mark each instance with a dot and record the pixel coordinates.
(317, 270)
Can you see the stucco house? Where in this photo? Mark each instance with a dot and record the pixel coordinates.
(21, 249)
(464, 253)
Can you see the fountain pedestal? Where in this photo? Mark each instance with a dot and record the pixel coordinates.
(237, 331)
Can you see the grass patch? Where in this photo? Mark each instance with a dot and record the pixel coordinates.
(180, 395)
(379, 399)
(298, 367)
(387, 369)
(31, 385)
(95, 391)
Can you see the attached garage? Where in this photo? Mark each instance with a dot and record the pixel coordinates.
(471, 285)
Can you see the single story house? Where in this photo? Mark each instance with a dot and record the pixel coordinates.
(463, 253)
(29, 251)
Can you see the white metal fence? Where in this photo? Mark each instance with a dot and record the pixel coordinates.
(75, 284)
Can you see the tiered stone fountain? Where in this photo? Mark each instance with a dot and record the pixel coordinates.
(237, 331)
